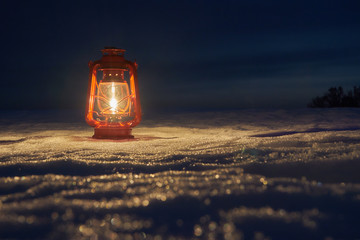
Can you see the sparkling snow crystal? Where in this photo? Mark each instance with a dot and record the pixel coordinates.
(269, 174)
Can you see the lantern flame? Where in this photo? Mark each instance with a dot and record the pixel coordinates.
(114, 98)
(113, 104)
(113, 101)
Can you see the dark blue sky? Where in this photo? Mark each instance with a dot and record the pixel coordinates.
(191, 54)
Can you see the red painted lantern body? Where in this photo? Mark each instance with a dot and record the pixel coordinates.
(113, 104)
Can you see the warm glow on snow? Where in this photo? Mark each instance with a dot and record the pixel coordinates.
(229, 177)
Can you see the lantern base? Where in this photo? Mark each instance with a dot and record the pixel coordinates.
(112, 133)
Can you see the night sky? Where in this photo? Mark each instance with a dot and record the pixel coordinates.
(192, 55)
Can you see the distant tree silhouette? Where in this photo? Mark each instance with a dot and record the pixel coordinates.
(335, 97)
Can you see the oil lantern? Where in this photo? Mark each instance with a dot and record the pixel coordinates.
(113, 104)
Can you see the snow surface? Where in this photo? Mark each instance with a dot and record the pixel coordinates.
(249, 174)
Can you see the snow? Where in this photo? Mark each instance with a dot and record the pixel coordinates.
(247, 174)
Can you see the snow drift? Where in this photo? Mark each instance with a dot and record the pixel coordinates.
(253, 174)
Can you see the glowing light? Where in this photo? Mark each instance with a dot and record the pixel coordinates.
(113, 104)
(113, 88)
(113, 101)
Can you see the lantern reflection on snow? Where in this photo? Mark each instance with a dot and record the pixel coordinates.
(113, 105)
